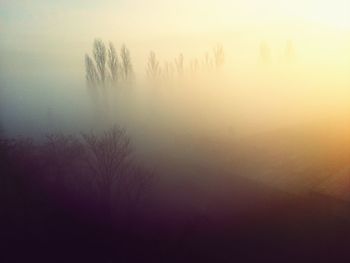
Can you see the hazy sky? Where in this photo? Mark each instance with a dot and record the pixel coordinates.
(49, 24)
(63, 30)
(53, 20)
(43, 42)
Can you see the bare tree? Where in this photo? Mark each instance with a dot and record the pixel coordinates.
(126, 63)
(207, 63)
(99, 51)
(179, 62)
(153, 68)
(92, 78)
(113, 63)
(96, 75)
(108, 157)
(121, 182)
(194, 66)
(219, 56)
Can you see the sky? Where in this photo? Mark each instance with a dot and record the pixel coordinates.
(54, 20)
(43, 43)
(66, 26)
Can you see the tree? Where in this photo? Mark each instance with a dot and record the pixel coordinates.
(121, 182)
(179, 62)
(99, 52)
(92, 78)
(108, 157)
(219, 56)
(113, 63)
(153, 68)
(126, 63)
(104, 66)
(207, 63)
(194, 66)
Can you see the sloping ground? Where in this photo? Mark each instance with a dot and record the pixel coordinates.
(297, 160)
(236, 219)
(337, 185)
(275, 197)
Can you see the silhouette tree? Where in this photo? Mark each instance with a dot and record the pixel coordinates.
(179, 62)
(92, 78)
(127, 69)
(219, 56)
(108, 157)
(99, 52)
(194, 66)
(105, 66)
(207, 63)
(113, 64)
(153, 69)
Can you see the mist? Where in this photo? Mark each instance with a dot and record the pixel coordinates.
(175, 126)
(273, 78)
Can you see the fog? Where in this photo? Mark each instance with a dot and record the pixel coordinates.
(280, 71)
(192, 122)
(248, 92)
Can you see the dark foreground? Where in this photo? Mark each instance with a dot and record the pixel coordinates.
(44, 219)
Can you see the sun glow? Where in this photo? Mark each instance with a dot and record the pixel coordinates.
(332, 13)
